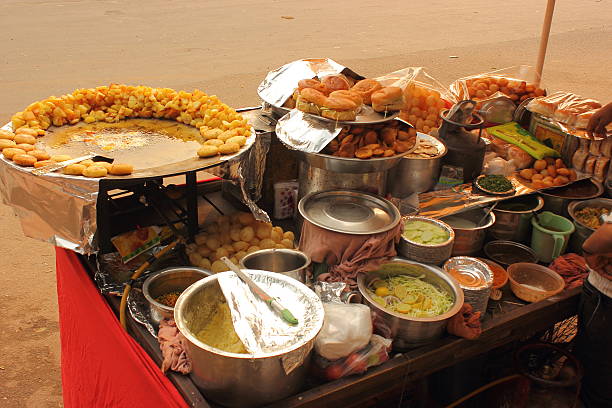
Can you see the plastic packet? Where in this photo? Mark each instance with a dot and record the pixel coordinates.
(133, 243)
(375, 353)
(518, 83)
(285, 199)
(347, 328)
(425, 98)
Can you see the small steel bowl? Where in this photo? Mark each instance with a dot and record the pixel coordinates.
(288, 262)
(169, 280)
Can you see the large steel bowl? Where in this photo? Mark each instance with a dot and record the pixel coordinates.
(409, 332)
(513, 218)
(582, 231)
(165, 281)
(248, 380)
(288, 262)
(556, 200)
(469, 240)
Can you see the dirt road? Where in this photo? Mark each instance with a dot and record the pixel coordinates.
(52, 47)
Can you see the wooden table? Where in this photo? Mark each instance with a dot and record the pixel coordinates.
(513, 322)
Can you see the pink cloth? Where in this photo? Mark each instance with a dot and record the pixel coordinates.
(172, 345)
(346, 254)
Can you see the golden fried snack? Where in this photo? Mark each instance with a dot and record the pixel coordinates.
(103, 164)
(25, 146)
(209, 133)
(43, 163)
(60, 157)
(6, 134)
(87, 162)
(388, 153)
(24, 160)
(229, 148)
(208, 151)
(225, 136)
(39, 154)
(120, 169)
(364, 153)
(26, 131)
(214, 142)
(24, 138)
(94, 171)
(4, 143)
(9, 152)
(74, 169)
(240, 140)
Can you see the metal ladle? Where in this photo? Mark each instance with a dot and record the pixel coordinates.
(487, 212)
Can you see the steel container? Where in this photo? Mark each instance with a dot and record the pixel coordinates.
(557, 200)
(582, 232)
(469, 241)
(288, 262)
(246, 380)
(313, 179)
(166, 281)
(416, 174)
(409, 332)
(513, 220)
(507, 253)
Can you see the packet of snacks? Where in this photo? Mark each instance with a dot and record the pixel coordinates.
(425, 97)
(517, 83)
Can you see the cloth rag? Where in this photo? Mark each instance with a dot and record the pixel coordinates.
(171, 343)
(348, 254)
(572, 268)
(466, 323)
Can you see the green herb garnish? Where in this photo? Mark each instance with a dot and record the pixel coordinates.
(496, 183)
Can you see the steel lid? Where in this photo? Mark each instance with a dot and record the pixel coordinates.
(350, 212)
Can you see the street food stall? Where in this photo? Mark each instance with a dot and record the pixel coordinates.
(342, 244)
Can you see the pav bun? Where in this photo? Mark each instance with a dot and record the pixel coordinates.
(365, 88)
(339, 109)
(313, 84)
(353, 96)
(390, 98)
(310, 101)
(336, 82)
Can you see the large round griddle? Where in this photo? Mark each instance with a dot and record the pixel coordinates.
(152, 146)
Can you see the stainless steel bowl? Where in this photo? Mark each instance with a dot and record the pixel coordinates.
(557, 200)
(165, 281)
(416, 174)
(582, 231)
(469, 241)
(513, 218)
(507, 253)
(288, 262)
(409, 332)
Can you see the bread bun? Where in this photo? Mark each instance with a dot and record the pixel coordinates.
(339, 109)
(353, 96)
(336, 83)
(310, 101)
(389, 98)
(313, 84)
(365, 88)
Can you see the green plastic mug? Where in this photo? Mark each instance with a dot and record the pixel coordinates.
(549, 239)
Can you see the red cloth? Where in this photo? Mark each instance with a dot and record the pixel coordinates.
(102, 366)
(572, 268)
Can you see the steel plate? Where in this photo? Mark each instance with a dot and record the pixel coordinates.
(367, 116)
(349, 212)
(147, 144)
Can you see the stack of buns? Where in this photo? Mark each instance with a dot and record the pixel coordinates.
(340, 98)
(565, 107)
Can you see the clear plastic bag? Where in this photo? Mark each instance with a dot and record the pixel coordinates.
(347, 328)
(517, 83)
(375, 353)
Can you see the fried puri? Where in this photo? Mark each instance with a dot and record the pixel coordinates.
(26, 131)
(208, 151)
(229, 148)
(39, 154)
(26, 147)
(94, 171)
(6, 134)
(43, 163)
(121, 169)
(9, 152)
(60, 157)
(24, 138)
(74, 169)
(24, 160)
(214, 142)
(240, 140)
(103, 164)
(4, 143)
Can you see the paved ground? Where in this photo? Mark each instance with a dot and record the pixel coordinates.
(52, 47)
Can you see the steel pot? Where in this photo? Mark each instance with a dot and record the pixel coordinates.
(288, 262)
(557, 200)
(469, 240)
(166, 281)
(409, 332)
(248, 380)
(582, 232)
(416, 174)
(513, 218)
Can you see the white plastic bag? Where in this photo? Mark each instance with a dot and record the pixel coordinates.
(347, 328)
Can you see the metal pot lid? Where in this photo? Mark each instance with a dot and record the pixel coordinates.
(349, 212)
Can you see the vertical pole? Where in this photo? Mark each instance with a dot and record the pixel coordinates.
(192, 204)
(550, 7)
